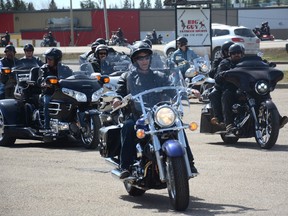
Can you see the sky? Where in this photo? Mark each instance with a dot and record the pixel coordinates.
(42, 4)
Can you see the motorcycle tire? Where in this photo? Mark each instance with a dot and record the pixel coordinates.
(177, 183)
(90, 137)
(269, 127)
(4, 139)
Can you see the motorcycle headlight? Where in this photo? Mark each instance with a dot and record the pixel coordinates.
(79, 96)
(96, 95)
(262, 87)
(191, 72)
(204, 68)
(165, 116)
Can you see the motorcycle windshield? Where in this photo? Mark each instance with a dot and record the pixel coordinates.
(168, 89)
(202, 64)
(115, 62)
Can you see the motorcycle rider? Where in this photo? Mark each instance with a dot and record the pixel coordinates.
(265, 29)
(215, 95)
(8, 82)
(184, 53)
(53, 57)
(236, 52)
(142, 78)
(154, 37)
(99, 62)
(29, 51)
(120, 35)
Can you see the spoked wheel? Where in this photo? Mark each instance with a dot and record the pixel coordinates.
(133, 191)
(4, 139)
(268, 127)
(177, 183)
(90, 136)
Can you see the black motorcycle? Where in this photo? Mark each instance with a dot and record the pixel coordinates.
(47, 42)
(254, 113)
(162, 160)
(72, 109)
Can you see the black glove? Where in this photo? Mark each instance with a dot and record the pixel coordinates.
(219, 78)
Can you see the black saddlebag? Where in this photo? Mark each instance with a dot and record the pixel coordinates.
(205, 124)
(110, 141)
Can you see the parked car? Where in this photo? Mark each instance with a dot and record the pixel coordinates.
(220, 34)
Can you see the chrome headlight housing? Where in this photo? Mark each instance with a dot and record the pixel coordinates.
(79, 96)
(262, 87)
(165, 116)
(97, 94)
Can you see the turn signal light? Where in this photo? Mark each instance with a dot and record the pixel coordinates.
(6, 70)
(193, 126)
(106, 80)
(140, 133)
(53, 81)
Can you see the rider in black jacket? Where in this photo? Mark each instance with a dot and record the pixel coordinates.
(140, 78)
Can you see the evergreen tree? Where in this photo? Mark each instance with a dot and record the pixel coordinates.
(30, 7)
(158, 4)
(52, 5)
(8, 5)
(142, 4)
(88, 4)
(127, 4)
(2, 5)
(148, 4)
(16, 5)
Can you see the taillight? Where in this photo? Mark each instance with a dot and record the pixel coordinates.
(236, 40)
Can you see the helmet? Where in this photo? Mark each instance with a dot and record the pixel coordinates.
(53, 53)
(139, 47)
(236, 48)
(146, 40)
(101, 41)
(101, 47)
(182, 40)
(10, 48)
(28, 47)
(94, 45)
(225, 47)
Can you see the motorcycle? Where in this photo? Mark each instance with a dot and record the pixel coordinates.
(197, 77)
(254, 113)
(116, 41)
(46, 42)
(8, 75)
(262, 35)
(72, 108)
(162, 160)
(159, 39)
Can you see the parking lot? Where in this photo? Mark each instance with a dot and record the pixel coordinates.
(64, 179)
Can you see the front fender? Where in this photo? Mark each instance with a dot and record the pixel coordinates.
(269, 104)
(173, 148)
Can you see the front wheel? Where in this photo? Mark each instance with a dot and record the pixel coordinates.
(177, 183)
(4, 139)
(268, 127)
(90, 134)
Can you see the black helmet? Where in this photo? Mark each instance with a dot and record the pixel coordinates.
(28, 47)
(182, 40)
(101, 41)
(146, 40)
(139, 47)
(94, 45)
(101, 47)
(225, 48)
(10, 48)
(236, 48)
(53, 53)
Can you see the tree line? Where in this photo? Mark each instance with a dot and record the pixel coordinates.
(20, 5)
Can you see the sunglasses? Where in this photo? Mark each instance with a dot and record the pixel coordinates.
(102, 53)
(28, 50)
(234, 53)
(142, 58)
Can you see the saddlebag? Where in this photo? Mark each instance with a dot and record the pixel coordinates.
(205, 124)
(110, 141)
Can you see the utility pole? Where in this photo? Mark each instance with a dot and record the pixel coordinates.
(71, 25)
(106, 21)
